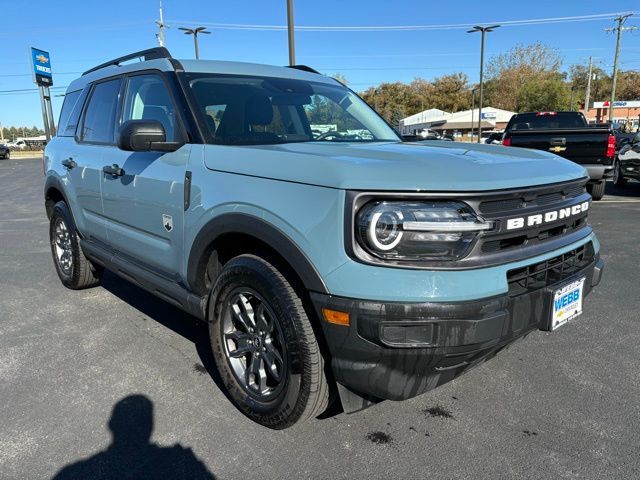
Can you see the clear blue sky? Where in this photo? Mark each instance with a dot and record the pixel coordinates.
(84, 33)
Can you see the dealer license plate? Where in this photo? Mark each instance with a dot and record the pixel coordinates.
(567, 303)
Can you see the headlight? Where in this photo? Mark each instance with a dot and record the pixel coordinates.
(417, 231)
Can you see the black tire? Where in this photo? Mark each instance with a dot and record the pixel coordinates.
(303, 391)
(74, 269)
(618, 178)
(597, 189)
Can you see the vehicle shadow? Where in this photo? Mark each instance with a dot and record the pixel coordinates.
(131, 454)
(171, 317)
(631, 189)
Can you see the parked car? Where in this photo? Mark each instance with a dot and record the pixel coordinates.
(5, 153)
(627, 162)
(17, 145)
(494, 138)
(428, 134)
(569, 135)
(326, 266)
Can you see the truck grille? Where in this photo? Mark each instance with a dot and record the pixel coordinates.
(556, 269)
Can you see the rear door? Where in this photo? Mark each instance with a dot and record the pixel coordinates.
(144, 207)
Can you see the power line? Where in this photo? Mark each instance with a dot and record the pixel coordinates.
(379, 28)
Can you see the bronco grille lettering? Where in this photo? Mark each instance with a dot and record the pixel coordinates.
(547, 217)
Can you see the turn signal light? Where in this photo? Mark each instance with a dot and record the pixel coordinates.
(336, 317)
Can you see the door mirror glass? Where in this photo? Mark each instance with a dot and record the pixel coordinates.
(144, 136)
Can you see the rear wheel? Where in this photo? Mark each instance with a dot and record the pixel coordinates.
(264, 345)
(597, 189)
(74, 269)
(618, 178)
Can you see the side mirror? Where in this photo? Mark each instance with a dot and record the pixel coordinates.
(144, 136)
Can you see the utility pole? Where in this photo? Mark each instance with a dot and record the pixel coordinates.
(195, 32)
(161, 27)
(482, 30)
(473, 106)
(573, 88)
(588, 92)
(291, 33)
(619, 29)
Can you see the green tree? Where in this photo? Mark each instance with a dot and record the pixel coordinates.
(524, 68)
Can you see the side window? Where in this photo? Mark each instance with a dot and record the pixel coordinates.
(69, 114)
(147, 98)
(99, 117)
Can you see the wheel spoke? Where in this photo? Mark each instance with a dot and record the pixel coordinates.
(263, 320)
(243, 312)
(255, 375)
(271, 359)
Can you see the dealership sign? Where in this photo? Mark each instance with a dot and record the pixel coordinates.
(618, 104)
(488, 115)
(41, 62)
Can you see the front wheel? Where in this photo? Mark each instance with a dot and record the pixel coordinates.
(74, 269)
(618, 178)
(597, 189)
(264, 345)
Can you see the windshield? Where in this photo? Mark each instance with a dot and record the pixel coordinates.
(241, 110)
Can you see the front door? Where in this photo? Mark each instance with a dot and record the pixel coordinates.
(144, 207)
(94, 136)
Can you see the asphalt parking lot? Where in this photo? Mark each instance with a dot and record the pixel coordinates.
(556, 405)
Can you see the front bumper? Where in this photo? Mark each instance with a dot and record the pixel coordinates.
(395, 351)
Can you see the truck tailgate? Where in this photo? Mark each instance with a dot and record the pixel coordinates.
(580, 145)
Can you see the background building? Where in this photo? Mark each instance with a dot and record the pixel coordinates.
(459, 124)
(625, 112)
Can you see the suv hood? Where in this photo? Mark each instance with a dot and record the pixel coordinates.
(433, 166)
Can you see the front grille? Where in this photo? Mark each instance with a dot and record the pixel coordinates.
(530, 199)
(556, 269)
(527, 202)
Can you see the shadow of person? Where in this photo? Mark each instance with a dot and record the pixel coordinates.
(131, 453)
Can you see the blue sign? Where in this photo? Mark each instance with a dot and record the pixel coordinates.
(41, 62)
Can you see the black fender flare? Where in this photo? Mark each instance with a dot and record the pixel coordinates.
(261, 230)
(55, 182)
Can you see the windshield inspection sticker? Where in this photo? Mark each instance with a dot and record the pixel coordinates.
(567, 303)
(167, 221)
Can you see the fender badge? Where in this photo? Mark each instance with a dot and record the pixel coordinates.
(167, 221)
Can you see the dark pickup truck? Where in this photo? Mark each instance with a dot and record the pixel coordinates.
(569, 135)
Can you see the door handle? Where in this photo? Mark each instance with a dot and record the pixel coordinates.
(69, 163)
(114, 170)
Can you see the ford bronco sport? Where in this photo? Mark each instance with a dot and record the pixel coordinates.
(330, 259)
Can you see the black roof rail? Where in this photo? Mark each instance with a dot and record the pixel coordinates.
(149, 54)
(304, 68)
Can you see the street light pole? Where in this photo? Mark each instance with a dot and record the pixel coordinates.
(482, 30)
(195, 32)
(291, 33)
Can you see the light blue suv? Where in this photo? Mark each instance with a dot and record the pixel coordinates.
(332, 261)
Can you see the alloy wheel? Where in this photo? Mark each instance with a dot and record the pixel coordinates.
(63, 247)
(254, 344)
